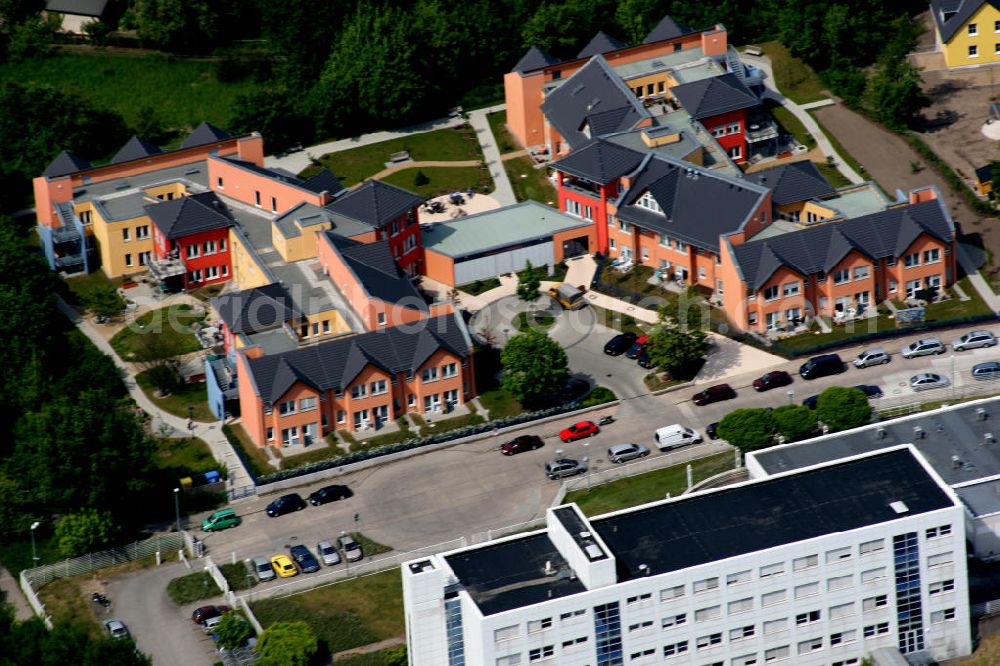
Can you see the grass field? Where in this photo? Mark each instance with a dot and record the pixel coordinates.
(793, 126)
(538, 320)
(499, 403)
(839, 147)
(647, 487)
(832, 174)
(258, 459)
(346, 615)
(177, 402)
(354, 165)
(65, 602)
(529, 182)
(794, 78)
(85, 288)
(171, 324)
(181, 92)
(505, 142)
(442, 180)
(185, 455)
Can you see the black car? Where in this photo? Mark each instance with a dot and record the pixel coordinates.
(304, 560)
(329, 494)
(821, 366)
(619, 344)
(643, 359)
(521, 444)
(869, 390)
(810, 402)
(711, 430)
(285, 504)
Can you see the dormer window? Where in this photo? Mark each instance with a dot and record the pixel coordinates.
(649, 203)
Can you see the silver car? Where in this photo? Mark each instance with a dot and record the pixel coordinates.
(924, 347)
(328, 553)
(926, 381)
(974, 340)
(261, 567)
(116, 629)
(620, 453)
(563, 467)
(870, 357)
(351, 548)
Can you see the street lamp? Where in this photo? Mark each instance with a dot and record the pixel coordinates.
(34, 553)
(177, 507)
(791, 397)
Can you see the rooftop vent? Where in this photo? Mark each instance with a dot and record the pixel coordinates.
(956, 462)
(899, 507)
(880, 433)
(549, 569)
(980, 414)
(584, 535)
(593, 551)
(988, 438)
(918, 432)
(643, 570)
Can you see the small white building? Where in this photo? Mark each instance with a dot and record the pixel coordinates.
(76, 14)
(820, 566)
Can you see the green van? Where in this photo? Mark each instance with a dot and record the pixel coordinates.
(220, 520)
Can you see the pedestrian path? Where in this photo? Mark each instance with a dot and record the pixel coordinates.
(10, 592)
(977, 280)
(818, 104)
(504, 192)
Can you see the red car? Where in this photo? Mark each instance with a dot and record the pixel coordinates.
(579, 431)
(714, 394)
(521, 444)
(208, 612)
(771, 380)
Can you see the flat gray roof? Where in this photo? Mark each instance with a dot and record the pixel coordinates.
(658, 63)
(274, 341)
(194, 172)
(498, 228)
(981, 498)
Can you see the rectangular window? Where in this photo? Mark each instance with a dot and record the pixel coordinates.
(803, 563)
(841, 611)
(142, 233)
(705, 585)
(739, 577)
(222, 245)
(675, 649)
(449, 370)
(256, 198)
(126, 234)
(218, 183)
(674, 620)
(973, 30)
(672, 593)
(719, 131)
(274, 205)
(872, 603)
(838, 555)
(380, 319)
(270, 434)
(807, 590)
(771, 598)
(807, 618)
(771, 293)
(876, 629)
(843, 637)
(911, 260)
(739, 633)
(711, 640)
(775, 569)
(208, 247)
(429, 374)
(862, 272)
(379, 387)
(842, 276)
(144, 258)
(776, 654)
(341, 416)
(680, 246)
(572, 614)
(740, 606)
(932, 256)
(534, 626)
(572, 208)
(541, 653)
(790, 289)
(287, 407)
(509, 660)
(733, 128)
(307, 404)
(195, 275)
(939, 560)
(505, 633)
(996, 26)
(639, 599)
(937, 617)
(211, 272)
(934, 532)
(358, 391)
(710, 613)
(869, 547)
(640, 626)
(643, 656)
(772, 627)
(745, 660)
(128, 259)
(193, 251)
(872, 575)
(941, 588)
(839, 583)
(811, 645)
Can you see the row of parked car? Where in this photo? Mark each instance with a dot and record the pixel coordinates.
(301, 560)
(632, 346)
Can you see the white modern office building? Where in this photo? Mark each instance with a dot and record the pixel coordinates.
(819, 566)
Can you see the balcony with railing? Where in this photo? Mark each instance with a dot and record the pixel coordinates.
(169, 267)
(761, 129)
(582, 186)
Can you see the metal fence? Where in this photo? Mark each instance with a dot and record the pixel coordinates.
(649, 464)
(85, 564)
(33, 600)
(895, 406)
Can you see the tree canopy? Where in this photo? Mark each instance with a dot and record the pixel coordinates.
(287, 644)
(528, 283)
(29, 642)
(748, 429)
(679, 345)
(794, 421)
(533, 365)
(842, 408)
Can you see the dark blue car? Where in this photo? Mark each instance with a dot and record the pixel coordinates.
(304, 560)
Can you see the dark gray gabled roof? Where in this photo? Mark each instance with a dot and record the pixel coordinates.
(335, 364)
(135, 149)
(378, 273)
(535, 58)
(611, 121)
(602, 42)
(257, 309)
(593, 89)
(960, 12)
(77, 7)
(714, 96)
(667, 28)
(190, 215)
(793, 182)
(600, 161)
(375, 203)
(64, 164)
(698, 205)
(817, 250)
(323, 181)
(205, 133)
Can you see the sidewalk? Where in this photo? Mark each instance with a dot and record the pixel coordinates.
(503, 192)
(211, 434)
(10, 592)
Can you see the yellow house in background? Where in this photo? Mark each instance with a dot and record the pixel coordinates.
(967, 31)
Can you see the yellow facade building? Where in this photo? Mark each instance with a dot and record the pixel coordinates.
(967, 32)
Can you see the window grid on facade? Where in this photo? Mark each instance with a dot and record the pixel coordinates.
(909, 609)
(608, 634)
(453, 628)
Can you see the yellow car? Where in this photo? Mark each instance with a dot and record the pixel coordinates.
(283, 566)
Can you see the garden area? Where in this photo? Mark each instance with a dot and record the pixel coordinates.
(480, 286)
(790, 124)
(431, 181)
(199, 585)
(529, 182)
(832, 174)
(159, 334)
(794, 78)
(179, 399)
(498, 125)
(253, 456)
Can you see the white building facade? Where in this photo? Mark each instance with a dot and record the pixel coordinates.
(882, 564)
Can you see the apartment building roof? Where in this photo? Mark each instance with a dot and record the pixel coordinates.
(817, 250)
(535, 58)
(698, 205)
(674, 61)
(307, 214)
(64, 164)
(602, 42)
(375, 203)
(205, 133)
(319, 182)
(667, 28)
(77, 7)
(323, 181)
(776, 511)
(958, 13)
(714, 96)
(600, 161)
(135, 149)
(188, 215)
(792, 182)
(335, 364)
(379, 274)
(593, 89)
(256, 309)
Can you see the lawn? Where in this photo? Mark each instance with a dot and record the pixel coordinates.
(648, 487)
(832, 175)
(370, 547)
(257, 458)
(794, 78)
(86, 288)
(499, 404)
(182, 93)
(480, 286)
(65, 602)
(792, 125)
(954, 307)
(345, 615)
(538, 320)
(159, 334)
(185, 456)
(498, 125)
(436, 426)
(529, 182)
(179, 399)
(442, 180)
(355, 164)
(839, 147)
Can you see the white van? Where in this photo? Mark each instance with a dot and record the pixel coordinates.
(674, 436)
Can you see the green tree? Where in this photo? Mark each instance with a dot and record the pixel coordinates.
(995, 180)
(84, 532)
(395, 656)
(842, 408)
(533, 365)
(794, 421)
(13, 12)
(893, 95)
(678, 344)
(233, 631)
(748, 429)
(274, 113)
(528, 284)
(637, 17)
(287, 644)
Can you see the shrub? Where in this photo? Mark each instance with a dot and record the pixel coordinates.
(748, 429)
(599, 396)
(842, 408)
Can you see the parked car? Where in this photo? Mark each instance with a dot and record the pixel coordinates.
(926, 381)
(304, 560)
(220, 520)
(205, 612)
(285, 504)
(988, 371)
(521, 444)
(261, 568)
(974, 340)
(870, 357)
(821, 366)
(563, 467)
(620, 453)
(773, 379)
(283, 566)
(869, 390)
(643, 359)
(637, 347)
(924, 347)
(811, 401)
(329, 494)
(328, 553)
(619, 344)
(208, 626)
(711, 430)
(579, 431)
(116, 629)
(352, 549)
(713, 394)
(675, 436)
(568, 296)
